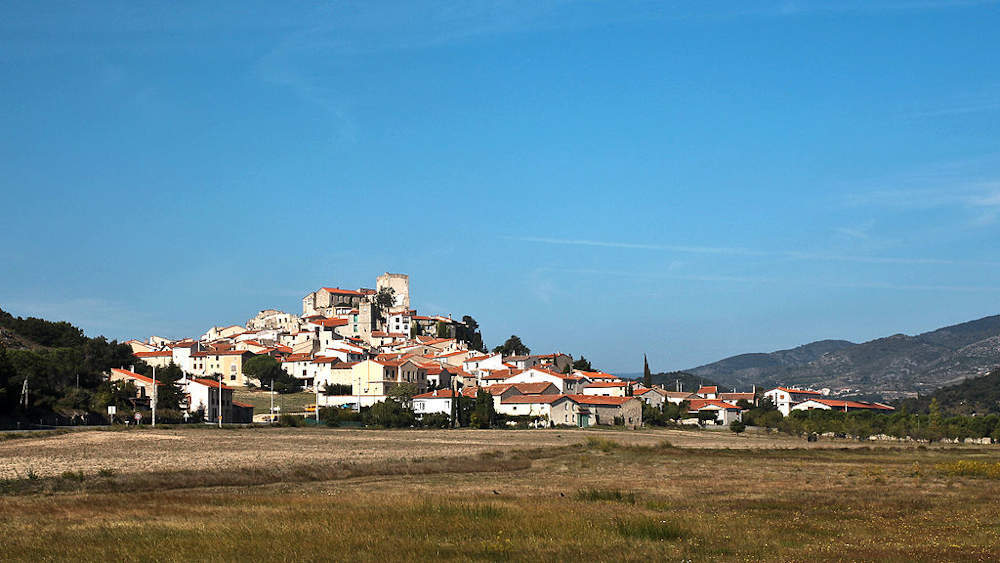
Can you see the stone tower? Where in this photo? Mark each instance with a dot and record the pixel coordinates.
(400, 283)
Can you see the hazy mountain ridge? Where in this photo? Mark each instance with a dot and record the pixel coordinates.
(897, 365)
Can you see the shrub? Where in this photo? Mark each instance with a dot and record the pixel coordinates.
(436, 420)
(971, 468)
(290, 420)
(611, 495)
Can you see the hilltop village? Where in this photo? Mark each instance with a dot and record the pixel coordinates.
(356, 348)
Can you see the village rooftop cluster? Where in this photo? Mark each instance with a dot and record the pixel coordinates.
(353, 347)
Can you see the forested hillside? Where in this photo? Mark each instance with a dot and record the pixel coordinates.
(976, 395)
(63, 367)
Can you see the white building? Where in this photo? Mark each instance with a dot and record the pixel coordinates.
(785, 398)
(475, 364)
(567, 384)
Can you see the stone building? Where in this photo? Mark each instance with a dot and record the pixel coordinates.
(400, 284)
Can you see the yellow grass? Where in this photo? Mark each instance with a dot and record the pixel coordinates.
(620, 496)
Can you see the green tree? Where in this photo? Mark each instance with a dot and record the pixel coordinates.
(468, 332)
(402, 392)
(737, 427)
(483, 415)
(583, 364)
(442, 330)
(390, 414)
(384, 300)
(168, 391)
(512, 347)
(266, 369)
(647, 376)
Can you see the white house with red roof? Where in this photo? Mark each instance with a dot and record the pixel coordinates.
(568, 384)
(597, 376)
(708, 392)
(724, 412)
(475, 364)
(551, 409)
(438, 401)
(607, 388)
(841, 405)
(787, 397)
(203, 393)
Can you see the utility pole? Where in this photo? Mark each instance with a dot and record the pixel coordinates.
(271, 417)
(24, 393)
(316, 385)
(153, 399)
(220, 400)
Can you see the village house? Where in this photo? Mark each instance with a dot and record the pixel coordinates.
(567, 384)
(551, 409)
(607, 388)
(784, 398)
(608, 410)
(475, 364)
(654, 397)
(724, 412)
(159, 359)
(143, 384)
(438, 401)
(841, 405)
(203, 393)
(560, 361)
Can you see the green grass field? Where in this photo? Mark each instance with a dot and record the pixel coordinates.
(607, 497)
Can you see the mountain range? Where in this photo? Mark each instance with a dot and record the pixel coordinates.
(893, 367)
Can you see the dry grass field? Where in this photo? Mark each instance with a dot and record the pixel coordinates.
(311, 494)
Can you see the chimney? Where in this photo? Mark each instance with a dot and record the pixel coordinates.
(131, 368)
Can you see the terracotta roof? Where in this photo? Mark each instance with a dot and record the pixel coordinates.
(698, 404)
(596, 374)
(708, 390)
(437, 394)
(837, 403)
(331, 322)
(299, 358)
(209, 383)
(555, 373)
(534, 399)
(339, 291)
(244, 405)
(478, 358)
(157, 354)
(133, 375)
(600, 400)
(600, 384)
(325, 360)
(797, 391)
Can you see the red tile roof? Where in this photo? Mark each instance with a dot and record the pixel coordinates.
(339, 291)
(698, 404)
(330, 323)
(133, 375)
(600, 400)
(798, 391)
(837, 403)
(209, 383)
(708, 390)
(534, 399)
(437, 394)
(157, 354)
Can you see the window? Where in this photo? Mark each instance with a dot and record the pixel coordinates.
(232, 378)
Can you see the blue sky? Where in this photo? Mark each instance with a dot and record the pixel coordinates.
(689, 180)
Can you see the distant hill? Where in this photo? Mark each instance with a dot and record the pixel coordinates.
(976, 395)
(894, 366)
(669, 380)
